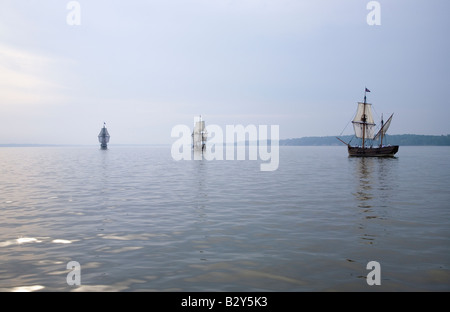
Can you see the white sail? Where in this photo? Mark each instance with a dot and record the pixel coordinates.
(199, 126)
(368, 133)
(364, 108)
(363, 123)
(199, 135)
(384, 128)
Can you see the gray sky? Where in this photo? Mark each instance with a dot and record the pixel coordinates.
(146, 66)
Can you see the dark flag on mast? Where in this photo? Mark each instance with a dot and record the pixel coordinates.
(367, 90)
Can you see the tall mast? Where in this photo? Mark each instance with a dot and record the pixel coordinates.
(364, 119)
(201, 134)
(381, 142)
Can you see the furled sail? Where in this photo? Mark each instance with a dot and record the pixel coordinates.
(103, 136)
(364, 119)
(384, 128)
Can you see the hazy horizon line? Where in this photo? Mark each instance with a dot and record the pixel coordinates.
(168, 144)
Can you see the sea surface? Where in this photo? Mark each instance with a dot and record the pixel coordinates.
(134, 219)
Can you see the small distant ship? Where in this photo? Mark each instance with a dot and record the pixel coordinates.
(199, 134)
(364, 127)
(103, 137)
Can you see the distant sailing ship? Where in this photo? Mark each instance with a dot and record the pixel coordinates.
(199, 134)
(364, 127)
(103, 137)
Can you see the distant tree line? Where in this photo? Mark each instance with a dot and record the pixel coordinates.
(401, 139)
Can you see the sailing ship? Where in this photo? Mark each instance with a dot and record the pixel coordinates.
(364, 127)
(199, 134)
(103, 137)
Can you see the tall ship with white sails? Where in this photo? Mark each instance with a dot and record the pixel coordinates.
(199, 134)
(364, 127)
(103, 137)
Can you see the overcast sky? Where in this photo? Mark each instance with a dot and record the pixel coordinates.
(145, 66)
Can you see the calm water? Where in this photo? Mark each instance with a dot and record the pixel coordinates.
(137, 220)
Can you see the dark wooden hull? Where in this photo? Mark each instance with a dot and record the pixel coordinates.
(385, 151)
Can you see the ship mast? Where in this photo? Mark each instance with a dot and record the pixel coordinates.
(364, 119)
(382, 125)
(199, 134)
(363, 123)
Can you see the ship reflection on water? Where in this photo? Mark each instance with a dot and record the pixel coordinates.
(373, 192)
(136, 220)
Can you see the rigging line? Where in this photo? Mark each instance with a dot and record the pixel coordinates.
(346, 126)
(377, 115)
(351, 140)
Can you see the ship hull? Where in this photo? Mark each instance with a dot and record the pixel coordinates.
(385, 151)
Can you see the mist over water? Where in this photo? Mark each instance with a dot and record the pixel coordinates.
(135, 219)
